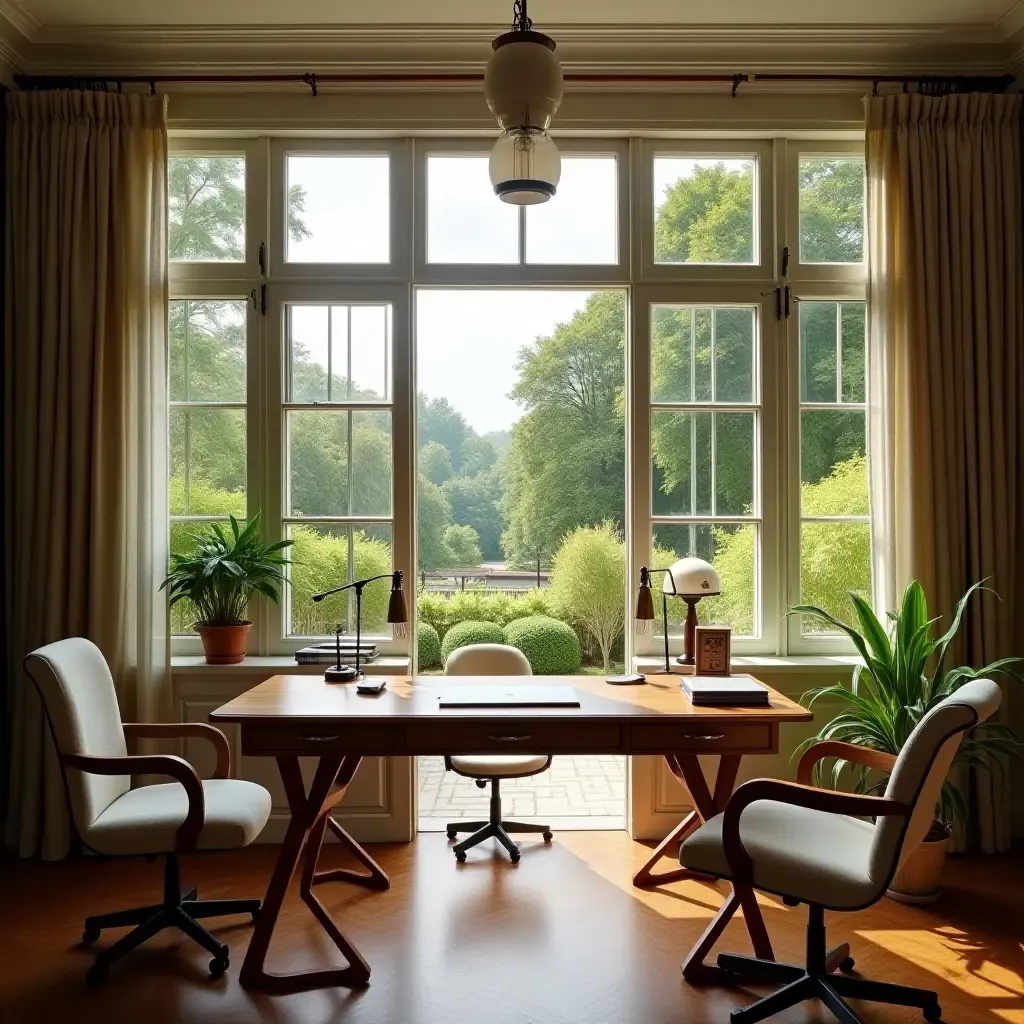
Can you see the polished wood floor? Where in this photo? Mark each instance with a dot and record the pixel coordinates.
(560, 938)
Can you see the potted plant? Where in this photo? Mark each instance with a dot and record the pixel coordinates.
(219, 577)
(903, 675)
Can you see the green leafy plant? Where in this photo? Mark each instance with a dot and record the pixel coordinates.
(463, 634)
(224, 570)
(550, 645)
(428, 646)
(903, 676)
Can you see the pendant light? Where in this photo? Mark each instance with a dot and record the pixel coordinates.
(523, 87)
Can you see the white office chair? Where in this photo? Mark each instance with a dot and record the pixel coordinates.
(110, 818)
(492, 660)
(812, 846)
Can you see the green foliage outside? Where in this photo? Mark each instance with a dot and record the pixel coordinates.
(443, 612)
(464, 544)
(464, 634)
(550, 645)
(428, 646)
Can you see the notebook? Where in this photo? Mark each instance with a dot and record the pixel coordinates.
(724, 690)
(505, 696)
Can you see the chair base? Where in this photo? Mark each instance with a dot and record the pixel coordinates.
(493, 828)
(181, 910)
(816, 982)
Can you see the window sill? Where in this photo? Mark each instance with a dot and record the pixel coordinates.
(765, 664)
(189, 664)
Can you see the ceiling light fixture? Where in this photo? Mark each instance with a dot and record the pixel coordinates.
(523, 87)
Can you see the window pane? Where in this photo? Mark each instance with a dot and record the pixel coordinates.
(704, 210)
(818, 335)
(734, 355)
(466, 222)
(370, 356)
(831, 209)
(580, 223)
(835, 558)
(324, 481)
(733, 550)
(206, 208)
(329, 556)
(672, 354)
(854, 362)
(686, 480)
(307, 346)
(207, 462)
(833, 463)
(338, 209)
(207, 351)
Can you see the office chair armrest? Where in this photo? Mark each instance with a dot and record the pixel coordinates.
(846, 751)
(197, 730)
(171, 765)
(856, 804)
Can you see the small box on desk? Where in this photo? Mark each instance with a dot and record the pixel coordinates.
(724, 691)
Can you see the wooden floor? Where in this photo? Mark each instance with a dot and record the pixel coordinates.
(561, 938)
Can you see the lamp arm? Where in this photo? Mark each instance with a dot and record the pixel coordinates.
(355, 583)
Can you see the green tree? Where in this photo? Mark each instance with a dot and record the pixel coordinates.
(434, 517)
(565, 466)
(588, 583)
(832, 211)
(464, 544)
(478, 455)
(474, 501)
(435, 462)
(438, 420)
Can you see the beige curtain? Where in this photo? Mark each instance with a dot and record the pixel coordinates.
(84, 422)
(946, 356)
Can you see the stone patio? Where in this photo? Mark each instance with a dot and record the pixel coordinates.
(575, 792)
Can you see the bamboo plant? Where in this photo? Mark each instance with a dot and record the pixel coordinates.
(903, 675)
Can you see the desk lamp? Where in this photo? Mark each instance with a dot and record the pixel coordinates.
(691, 579)
(397, 615)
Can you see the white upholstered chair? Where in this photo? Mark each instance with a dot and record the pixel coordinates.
(813, 846)
(108, 817)
(492, 660)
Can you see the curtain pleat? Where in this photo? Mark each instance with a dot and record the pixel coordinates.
(946, 376)
(84, 456)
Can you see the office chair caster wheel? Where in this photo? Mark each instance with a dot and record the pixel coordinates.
(89, 936)
(933, 1014)
(481, 783)
(460, 856)
(547, 835)
(514, 857)
(452, 833)
(846, 966)
(96, 975)
(218, 965)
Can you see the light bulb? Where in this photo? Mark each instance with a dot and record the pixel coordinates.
(640, 626)
(399, 630)
(525, 167)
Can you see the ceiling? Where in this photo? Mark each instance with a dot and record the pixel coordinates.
(633, 36)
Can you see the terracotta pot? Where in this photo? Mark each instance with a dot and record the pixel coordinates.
(224, 645)
(919, 879)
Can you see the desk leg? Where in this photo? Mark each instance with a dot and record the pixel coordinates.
(310, 816)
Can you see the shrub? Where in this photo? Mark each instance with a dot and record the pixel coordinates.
(551, 646)
(465, 633)
(428, 646)
(443, 611)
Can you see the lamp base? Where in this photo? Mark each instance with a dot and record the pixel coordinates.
(342, 674)
(684, 660)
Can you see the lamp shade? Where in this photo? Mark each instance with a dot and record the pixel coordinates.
(525, 167)
(398, 614)
(692, 577)
(644, 602)
(523, 79)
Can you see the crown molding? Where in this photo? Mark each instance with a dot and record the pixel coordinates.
(20, 18)
(1012, 21)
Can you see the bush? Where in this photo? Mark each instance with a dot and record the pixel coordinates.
(428, 646)
(443, 611)
(465, 633)
(551, 646)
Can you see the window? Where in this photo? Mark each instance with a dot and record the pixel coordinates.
(400, 371)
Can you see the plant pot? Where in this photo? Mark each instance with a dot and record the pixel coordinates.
(224, 645)
(918, 880)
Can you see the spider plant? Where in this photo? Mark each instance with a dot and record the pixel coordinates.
(224, 570)
(904, 674)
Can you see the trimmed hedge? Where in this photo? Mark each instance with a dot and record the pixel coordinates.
(428, 645)
(463, 634)
(443, 611)
(550, 645)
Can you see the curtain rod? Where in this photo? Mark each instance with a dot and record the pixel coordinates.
(925, 83)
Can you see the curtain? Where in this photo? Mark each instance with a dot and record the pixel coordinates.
(84, 421)
(946, 374)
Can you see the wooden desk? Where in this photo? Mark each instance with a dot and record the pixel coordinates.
(288, 717)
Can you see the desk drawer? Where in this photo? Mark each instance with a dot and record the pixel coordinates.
(318, 738)
(572, 737)
(695, 738)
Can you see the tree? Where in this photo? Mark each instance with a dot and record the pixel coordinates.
(434, 517)
(474, 501)
(478, 454)
(440, 421)
(435, 462)
(565, 466)
(464, 544)
(831, 211)
(588, 581)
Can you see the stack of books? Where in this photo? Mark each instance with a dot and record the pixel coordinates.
(731, 691)
(326, 653)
